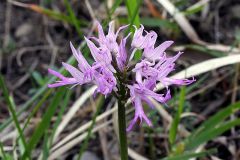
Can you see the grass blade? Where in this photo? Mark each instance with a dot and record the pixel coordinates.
(11, 108)
(85, 143)
(50, 13)
(213, 121)
(174, 126)
(49, 141)
(44, 124)
(187, 156)
(36, 108)
(213, 127)
(60, 115)
(114, 7)
(133, 18)
(162, 23)
(34, 111)
(133, 11)
(73, 18)
(210, 134)
(204, 49)
(2, 153)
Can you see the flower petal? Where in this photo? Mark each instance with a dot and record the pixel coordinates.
(170, 81)
(101, 34)
(55, 73)
(158, 52)
(74, 72)
(82, 62)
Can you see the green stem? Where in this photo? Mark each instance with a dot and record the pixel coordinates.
(122, 130)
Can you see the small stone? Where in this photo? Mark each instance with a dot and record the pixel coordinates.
(23, 30)
(235, 11)
(88, 156)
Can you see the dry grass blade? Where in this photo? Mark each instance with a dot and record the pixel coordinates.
(189, 30)
(135, 155)
(75, 141)
(198, 4)
(11, 135)
(229, 49)
(83, 128)
(204, 67)
(181, 20)
(73, 110)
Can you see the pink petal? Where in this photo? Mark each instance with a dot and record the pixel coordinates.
(55, 73)
(74, 72)
(83, 64)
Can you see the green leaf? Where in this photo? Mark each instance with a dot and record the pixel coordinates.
(44, 124)
(162, 23)
(49, 139)
(133, 18)
(193, 10)
(73, 18)
(38, 78)
(2, 153)
(46, 147)
(216, 119)
(133, 11)
(50, 13)
(237, 35)
(11, 107)
(37, 107)
(187, 156)
(213, 127)
(175, 122)
(115, 5)
(210, 134)
(181, 3)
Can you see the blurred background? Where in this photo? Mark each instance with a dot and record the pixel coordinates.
(56, 123)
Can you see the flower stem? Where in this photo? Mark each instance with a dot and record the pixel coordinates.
(122, 130)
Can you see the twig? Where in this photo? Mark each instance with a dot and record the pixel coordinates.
(30, 49)
(7, 24)
(91, 12)
(16, 3)
(51, 43)
(6, 38)
(25, 77)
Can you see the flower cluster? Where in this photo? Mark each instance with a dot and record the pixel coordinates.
(112, 69)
